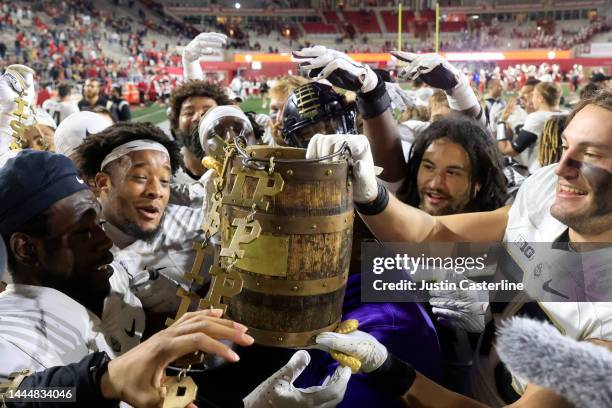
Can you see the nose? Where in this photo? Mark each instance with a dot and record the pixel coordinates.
(102, 240)
(438, 182)
(154, 189)
(196, 116)
(568, 167)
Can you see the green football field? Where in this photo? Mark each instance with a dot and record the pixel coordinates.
(157, 114)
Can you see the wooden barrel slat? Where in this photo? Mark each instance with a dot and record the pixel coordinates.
(333, 258)
(301, 198)
(287, 313)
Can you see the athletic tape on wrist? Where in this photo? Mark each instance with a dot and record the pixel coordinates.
(375, 102)
(378, 205)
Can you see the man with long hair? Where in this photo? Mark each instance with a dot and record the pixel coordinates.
(454, 168)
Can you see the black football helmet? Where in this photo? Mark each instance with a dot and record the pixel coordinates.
(315, 103)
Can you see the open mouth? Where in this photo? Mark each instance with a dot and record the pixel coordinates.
(148, 212)
(435, 198)
(568, 191)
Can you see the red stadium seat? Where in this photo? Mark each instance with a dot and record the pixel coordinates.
(390, 20)
(453, 26)
(364, 21)
(331, 17)
(319, 28)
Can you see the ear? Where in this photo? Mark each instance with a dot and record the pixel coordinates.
(103, 181)
(23, 248)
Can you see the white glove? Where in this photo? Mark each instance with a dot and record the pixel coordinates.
(263, 120)
(437, 72)
(17, 81)
(365, 187)
(337, 67)
(203, 44)
(156, 292)
(278, 390)
(459, 309)
(400, 99)
(358, 344)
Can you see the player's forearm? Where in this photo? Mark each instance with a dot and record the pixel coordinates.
(426, 393)
(383, 133)
(505, 147)
(81, 378)
(400, 223)
(399, 379)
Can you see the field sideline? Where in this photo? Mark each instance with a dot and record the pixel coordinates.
(157, 114)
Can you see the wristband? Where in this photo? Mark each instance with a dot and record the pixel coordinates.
(83, 376)
(97, 367)
(375, 102)
(378, 205)
(393, 376)
(500, 134)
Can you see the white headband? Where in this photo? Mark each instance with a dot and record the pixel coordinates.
(133, 146)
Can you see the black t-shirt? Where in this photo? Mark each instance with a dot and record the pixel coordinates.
(85, 105)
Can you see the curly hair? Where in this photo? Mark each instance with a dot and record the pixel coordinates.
(485, 160)
(415, 113)
(194, 87)
(97, 146)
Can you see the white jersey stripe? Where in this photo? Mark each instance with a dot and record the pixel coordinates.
(54, 336)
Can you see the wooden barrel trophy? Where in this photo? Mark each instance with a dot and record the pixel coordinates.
(294, 272)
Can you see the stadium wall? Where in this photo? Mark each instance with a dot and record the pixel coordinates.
(278, 65)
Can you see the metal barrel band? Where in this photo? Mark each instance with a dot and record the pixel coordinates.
(304, 172)
(298, 225)
(260, 164)
(283, 287)
(288, 339)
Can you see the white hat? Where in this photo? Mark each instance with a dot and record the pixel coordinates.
(41, 117)
(70, 134)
